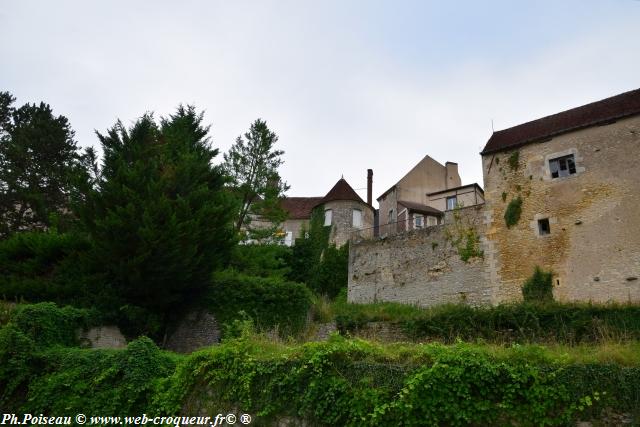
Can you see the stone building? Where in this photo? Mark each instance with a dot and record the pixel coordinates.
(571, 183)
(576, 174)
(343, 210)
(415, 201)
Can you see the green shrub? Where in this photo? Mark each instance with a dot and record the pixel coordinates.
(521, 323)
(331, 274)
(539, 287)
(261, 260)
(513, 212)
(16, 364)
(47, 324)
(355, 383)
(270, 302)
(100, 382)
(47, 266)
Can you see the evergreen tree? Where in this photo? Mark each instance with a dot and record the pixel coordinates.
(252, 164)
(40, 166)
(159, 217)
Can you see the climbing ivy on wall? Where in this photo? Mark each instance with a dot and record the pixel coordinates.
(464, 237)
(513, 212)
(514, 158)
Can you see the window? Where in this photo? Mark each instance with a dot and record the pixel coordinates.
(543, 227)
(431, 221)
(357, 218)
(451, 202)
(418, 220)
(562, 166)
(327, 217)
(288, 239)
(390, 219)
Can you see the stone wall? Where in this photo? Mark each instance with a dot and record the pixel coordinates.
(198, 329)
(342, 220)
(102, 337)
(594, 243)
(421, 267)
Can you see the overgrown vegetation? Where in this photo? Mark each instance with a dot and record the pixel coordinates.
(569, 324)
(463, 236)
(269, 302)
(322, 266)
(339, 382)
(514, 160)
(539, 287)
(513, 212)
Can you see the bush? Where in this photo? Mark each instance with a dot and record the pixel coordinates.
(270, 302)
(100, 382)
(33, 328)
(16, 364)
(513, 212)
(539, 287)
(355, 383)
(47, 324)
(261, 260)
(48, 266)
(331, 273)
(507, 323)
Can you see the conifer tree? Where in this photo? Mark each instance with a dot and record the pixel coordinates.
(252, 164)
(159, 217)
(40, 166)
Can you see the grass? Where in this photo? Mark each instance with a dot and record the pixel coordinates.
(549, 323)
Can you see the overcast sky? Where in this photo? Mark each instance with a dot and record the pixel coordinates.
(347, 85)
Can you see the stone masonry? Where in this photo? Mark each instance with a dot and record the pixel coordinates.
(593, 246)
(421, 267)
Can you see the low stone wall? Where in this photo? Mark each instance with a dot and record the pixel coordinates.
(102, 337)
(421, 267)
(198, 329)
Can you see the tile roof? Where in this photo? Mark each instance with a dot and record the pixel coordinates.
(417, 207)
(300, 207)
(342, 191)
(599, 112)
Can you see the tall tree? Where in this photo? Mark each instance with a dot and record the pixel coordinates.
(39, 165)
(252, 164)
(159, 217)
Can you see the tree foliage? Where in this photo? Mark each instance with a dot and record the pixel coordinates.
(252, 164)
(159, 217)
(40, 166)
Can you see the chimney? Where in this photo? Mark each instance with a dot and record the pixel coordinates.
(452, 178)
(369, 186)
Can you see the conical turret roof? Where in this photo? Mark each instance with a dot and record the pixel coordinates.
(341, 191)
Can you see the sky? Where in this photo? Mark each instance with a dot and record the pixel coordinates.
(346, 85)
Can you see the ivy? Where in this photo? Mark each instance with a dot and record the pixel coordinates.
(513, 212)
(464, 237)
(514, 160)
(539, 287)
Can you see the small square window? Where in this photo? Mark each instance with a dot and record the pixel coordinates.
(562, 166)
(543, 227)
(419, 221)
